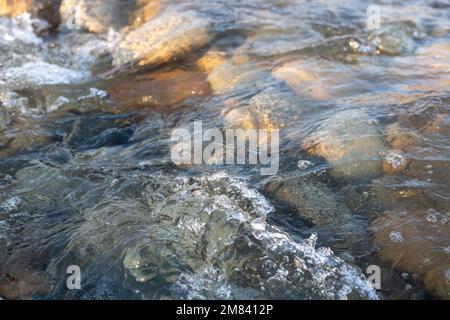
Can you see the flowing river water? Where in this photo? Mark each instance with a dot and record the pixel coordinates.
(91, 91)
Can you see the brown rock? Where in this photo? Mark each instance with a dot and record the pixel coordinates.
(226, 76)
(437, 280)
(19, 279)
(159, 89)
(402, 139)
(211, 60)
(312, 199)
(94, 15)
(417, 242)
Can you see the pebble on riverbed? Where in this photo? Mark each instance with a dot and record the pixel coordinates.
(351, 142)
(303, 79)
(313, 200)
(169, 36)
(422, 249)
(160, 89)
(270, 109)
(233, 75)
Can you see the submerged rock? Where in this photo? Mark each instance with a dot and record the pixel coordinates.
(417, 242)
(269, 109)
(395, 38)
(163, 89)
(145, 10)
(169, 36)
(401, 138)
(236, 77)
(303, 80)
(322, 80)
(312, 198)
(211, 60)
(203, 237)
(351, 142)
(40, 203)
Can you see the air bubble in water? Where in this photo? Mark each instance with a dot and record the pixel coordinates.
(395, 159)
(11, 204)
(311, 242)
(432, 217)
(304, 164)
(396, 237)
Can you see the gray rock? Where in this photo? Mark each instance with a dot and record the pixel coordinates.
(395, 38)
(312, 198)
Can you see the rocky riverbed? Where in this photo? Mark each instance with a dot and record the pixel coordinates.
(91, 92)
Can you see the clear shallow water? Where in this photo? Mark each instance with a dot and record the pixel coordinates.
(86, 176)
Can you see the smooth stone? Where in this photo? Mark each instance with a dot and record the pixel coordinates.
(269, 109)
(163, 89)
(168, 37)
(235, 75)
(401, 138)
(211, 60)
(395, 38)
(240, 118)
(313, 200)
(351, 142)
(99, 131)
(303, 79)
(415, 241)
(437, 280)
